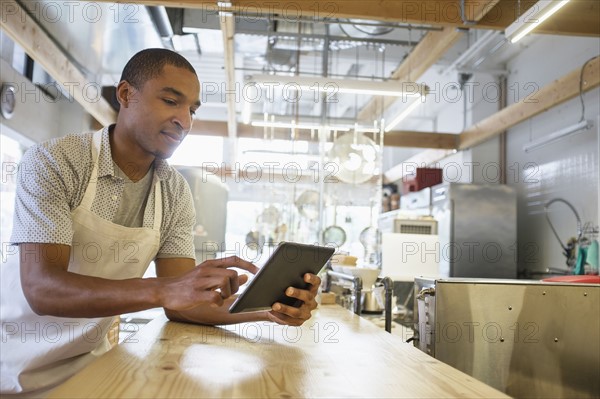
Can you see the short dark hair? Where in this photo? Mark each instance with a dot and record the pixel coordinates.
(149, 63)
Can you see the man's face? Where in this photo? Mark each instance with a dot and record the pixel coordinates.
(160, 113)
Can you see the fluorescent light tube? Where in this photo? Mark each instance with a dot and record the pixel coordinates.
(403, 114)
(531, 18)
(290, 125)
(552, 137)
(331, 85)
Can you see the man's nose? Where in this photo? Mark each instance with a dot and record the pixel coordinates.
(183, 120)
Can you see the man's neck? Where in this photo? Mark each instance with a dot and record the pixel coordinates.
(129, 158)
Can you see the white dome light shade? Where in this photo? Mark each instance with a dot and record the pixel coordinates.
(356, 156)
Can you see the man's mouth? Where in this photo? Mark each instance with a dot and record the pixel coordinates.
(173, 137)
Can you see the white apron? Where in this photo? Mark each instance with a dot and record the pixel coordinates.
(39, 352)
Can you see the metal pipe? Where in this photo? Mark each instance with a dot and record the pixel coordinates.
(332, 39)
(388, 284)
(161, 20)
(331, 75)
(503, 103)
(357, 282)
(489, 53)
(497, 72)
(347, 22)
(579, 229)
(322, 139)
(479, 44)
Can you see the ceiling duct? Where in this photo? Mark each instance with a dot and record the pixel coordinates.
(161, 21)
(158, 15)
(176, 19)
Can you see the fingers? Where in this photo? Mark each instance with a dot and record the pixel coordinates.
(303, 311)
(303, 295)
(231, 261)
(224, 282)
(314, 281)
(307, 296)
(211, 282)
(242, 279)
(222, 279)
(283, 319)
(296, 316)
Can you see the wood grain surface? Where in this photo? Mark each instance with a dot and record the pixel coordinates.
(335, 354)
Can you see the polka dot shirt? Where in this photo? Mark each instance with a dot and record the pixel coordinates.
(52, 180)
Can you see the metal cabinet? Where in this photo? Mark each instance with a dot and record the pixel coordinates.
(477, 228)
(525, 338)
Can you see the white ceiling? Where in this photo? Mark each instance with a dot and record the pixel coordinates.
(264, 50)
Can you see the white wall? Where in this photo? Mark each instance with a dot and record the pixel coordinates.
(568, 168)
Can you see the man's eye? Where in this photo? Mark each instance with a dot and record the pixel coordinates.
(169, 101)
(192, 112)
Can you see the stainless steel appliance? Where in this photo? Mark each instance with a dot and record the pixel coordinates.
(477, 229)
(409, 242)
(417, 202)
(415, 226)
(526, 338)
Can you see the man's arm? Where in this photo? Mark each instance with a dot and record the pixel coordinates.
(216, 315)
(52, 290)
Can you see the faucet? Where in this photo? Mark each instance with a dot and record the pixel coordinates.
(569, 250)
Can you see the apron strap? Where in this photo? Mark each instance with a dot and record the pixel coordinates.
(90, 192)
(157, 204)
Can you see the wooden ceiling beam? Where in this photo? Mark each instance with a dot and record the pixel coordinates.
(557, 92)
(23, 30)
(428, 12)
(409, 139)
(579, 17)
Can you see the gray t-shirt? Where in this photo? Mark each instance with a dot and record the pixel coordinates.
(135, 196)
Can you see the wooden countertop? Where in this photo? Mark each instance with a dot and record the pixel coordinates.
(335, 354)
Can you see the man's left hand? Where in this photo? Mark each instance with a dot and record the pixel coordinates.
(296, 316)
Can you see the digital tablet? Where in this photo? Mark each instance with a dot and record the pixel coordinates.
(285, 268)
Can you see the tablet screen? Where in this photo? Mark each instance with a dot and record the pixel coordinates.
(284, 268)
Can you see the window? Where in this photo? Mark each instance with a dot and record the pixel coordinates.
(198, 150)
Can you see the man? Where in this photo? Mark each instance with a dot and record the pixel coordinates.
(92, 211)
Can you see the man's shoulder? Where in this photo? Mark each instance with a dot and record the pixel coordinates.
(69, 141)
(74, 147)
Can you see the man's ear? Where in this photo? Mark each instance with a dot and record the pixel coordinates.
(124, 93)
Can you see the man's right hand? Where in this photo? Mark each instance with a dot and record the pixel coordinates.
(210, 282)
